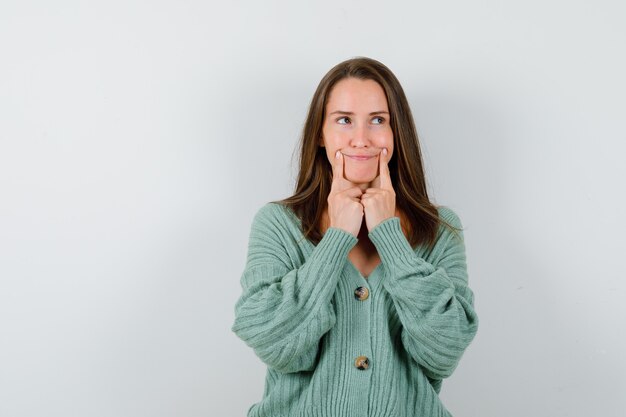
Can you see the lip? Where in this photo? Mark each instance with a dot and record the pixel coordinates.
(360, 157)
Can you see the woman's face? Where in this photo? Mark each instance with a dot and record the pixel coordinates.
(357, 123)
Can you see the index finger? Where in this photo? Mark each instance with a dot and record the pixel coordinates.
(339, 182)
(383, 169)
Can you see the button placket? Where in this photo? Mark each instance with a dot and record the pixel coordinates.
(362, 291)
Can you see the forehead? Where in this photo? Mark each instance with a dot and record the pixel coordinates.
(353, 94)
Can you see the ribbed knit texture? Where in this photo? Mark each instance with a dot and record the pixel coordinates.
(299, 314)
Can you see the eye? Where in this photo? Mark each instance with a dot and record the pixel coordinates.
(342, 118)
(382, 119)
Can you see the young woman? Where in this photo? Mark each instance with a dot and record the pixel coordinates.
(355, 289)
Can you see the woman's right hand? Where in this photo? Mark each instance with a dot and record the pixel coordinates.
(344, 200)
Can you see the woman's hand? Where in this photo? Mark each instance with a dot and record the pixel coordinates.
(344, 205)
(379, 201)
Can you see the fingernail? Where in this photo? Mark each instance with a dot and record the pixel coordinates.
(384, 151)
(337, 155)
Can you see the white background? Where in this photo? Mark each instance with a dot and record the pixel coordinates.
(138, 139)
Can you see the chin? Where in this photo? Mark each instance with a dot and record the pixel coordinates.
(360, 179)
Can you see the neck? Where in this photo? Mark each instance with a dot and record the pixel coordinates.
(363, 232)
(364, 186)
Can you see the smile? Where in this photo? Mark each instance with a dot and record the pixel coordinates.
(360, 158)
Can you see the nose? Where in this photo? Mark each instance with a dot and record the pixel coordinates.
(360, 137)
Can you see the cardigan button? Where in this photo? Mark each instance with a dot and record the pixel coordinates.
(362, 362)
(361, 293)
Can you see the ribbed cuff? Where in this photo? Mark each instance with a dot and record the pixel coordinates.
(334, 246)
(393, 247)
(327, 260)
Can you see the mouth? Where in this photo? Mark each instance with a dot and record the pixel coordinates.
(360, 157)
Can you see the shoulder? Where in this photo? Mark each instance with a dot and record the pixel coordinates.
(273, 216)
(273, 231)
(453, 227)
(450, 216)
(266, 211)
(272, 212)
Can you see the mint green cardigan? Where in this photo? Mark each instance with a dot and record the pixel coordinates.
(338, 344)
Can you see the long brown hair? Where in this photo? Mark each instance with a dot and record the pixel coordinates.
(419, 216)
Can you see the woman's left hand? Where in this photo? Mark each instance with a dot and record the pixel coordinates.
(379, 201)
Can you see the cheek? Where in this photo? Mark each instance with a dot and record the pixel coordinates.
(330, 153)
(333, 143)
(331, 148)
(387, 141)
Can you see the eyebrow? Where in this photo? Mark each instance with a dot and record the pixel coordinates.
(351, 113)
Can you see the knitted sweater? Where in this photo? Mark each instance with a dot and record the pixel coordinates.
(338, 344)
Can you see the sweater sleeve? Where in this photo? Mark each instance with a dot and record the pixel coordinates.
(284, 311)
(434, 302)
